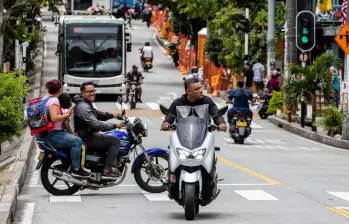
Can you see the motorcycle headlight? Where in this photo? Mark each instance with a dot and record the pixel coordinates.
(133, 86)
(198, 154)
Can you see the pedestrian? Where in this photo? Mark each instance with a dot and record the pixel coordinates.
(335, 85)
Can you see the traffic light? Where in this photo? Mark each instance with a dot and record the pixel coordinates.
(245, 25)
(305, 31)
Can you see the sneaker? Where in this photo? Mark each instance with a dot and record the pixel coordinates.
(80, 173)
(126, 101)
(139, 101)
(112, 173)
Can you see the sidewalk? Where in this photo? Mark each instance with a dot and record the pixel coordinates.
(16, 156)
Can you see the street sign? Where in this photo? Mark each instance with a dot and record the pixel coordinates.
(303, 57)
(342, 39)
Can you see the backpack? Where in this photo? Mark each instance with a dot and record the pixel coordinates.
(38, 116)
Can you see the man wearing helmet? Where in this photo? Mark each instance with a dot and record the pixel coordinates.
(134, 75)
(147, 52)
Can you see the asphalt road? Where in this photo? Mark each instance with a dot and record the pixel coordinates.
(276, 177)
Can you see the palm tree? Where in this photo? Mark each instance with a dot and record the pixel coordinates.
(309, 80)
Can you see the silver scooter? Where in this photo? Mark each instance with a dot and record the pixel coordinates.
(192, 178)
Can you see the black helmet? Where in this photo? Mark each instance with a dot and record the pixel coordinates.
(147, 43)
(194, 69)
(139, 128)
(134, 67)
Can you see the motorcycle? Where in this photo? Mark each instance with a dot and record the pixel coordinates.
(147, 64)
(130, 139)
(192, 178)
(134, 92)
(240, 126)
(263, 107)
(173, 52)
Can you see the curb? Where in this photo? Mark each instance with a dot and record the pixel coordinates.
(309, 134)
(8, 203)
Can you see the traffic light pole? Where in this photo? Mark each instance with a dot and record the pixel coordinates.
(271, 37)
(303, 104)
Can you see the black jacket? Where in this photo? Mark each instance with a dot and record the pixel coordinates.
(183, 101)
(88, 120)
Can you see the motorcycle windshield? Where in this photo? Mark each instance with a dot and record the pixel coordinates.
(191, 131)
(200, 111)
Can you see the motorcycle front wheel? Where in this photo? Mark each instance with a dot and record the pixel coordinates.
(190, 206)
(145, 166)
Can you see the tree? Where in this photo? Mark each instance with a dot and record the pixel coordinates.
(8, 7)
(13, 88)
(307, 81)
(227, 29)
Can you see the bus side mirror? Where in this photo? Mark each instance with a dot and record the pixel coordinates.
(59, 49)
(129, 47)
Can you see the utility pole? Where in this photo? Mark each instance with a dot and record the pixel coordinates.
(291, 6)
(271, 37)
(246, 34)
(345, 125)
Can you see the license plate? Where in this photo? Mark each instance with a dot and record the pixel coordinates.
(242, 124)
(41, 156)
(148, 63)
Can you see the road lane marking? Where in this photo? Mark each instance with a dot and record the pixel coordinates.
(341, 195)
(72, 198)
(255, 125)
(339, 211)
(260, 176)
(28, 213)
(156, 197)
(256, 195)
(153, 106)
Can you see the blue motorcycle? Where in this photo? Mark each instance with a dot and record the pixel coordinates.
(148, 161)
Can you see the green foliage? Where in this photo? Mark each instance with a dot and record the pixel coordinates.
(309, 80)
(276, 102)
(226, 29)
(316, 77)
(332, 121)
(13, 88)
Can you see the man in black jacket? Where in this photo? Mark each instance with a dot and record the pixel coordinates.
(88, 123)
(193, 97)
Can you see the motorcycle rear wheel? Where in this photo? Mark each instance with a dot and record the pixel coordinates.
(50, 187)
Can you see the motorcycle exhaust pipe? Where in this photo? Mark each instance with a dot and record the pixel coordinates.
(64, 176)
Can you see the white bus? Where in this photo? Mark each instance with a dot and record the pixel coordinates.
(93, 48)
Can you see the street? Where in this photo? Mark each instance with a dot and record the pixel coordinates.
(275, 177)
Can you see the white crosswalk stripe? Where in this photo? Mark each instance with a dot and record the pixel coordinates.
(256, 195)
(340, 194)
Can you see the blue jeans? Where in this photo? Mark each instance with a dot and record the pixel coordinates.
(233, 109)
(336, 97)
(63, 139)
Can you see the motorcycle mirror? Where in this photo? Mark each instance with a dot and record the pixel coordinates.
(164, 109)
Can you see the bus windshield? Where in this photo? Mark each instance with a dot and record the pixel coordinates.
(96, 55)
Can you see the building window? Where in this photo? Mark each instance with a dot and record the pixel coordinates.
(82, 5)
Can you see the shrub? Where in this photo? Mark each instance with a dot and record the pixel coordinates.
(276, 102)
(332, 121)
(13, 89)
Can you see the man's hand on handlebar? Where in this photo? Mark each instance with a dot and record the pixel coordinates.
(165, 126)
(120, 125)
(223, 127)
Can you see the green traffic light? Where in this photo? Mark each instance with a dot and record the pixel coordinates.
(305, 31)
(305, 40)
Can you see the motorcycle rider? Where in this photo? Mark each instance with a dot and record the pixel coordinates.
(195, 73)
(89, 122)
(193, 97)
(147, 52)
(241, 97)
(131, 76)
